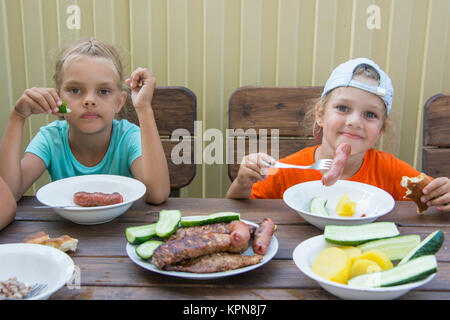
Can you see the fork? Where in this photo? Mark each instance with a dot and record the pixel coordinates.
(55, 207)
(34, 291)
(322, 164)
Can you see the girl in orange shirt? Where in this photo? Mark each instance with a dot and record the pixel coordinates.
(353, 109)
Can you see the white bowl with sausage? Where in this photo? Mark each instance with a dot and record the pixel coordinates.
(372, 202)
(59, 196)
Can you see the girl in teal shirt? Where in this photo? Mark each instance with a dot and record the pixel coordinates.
(89, 79)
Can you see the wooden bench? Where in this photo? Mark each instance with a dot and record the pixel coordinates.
(272, 117)
(174, 108)
(436, 136)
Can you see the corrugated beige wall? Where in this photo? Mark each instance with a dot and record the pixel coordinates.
(215, 46)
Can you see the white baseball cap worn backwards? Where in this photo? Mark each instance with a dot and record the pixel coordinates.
(342, 76)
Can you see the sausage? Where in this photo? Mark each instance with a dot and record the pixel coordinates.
(340, 159)
(95, 199)
(239, 233)
(263, 234)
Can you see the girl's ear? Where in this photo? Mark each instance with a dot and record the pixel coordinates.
(122, 100)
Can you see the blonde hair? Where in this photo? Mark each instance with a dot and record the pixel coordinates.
(90, 48)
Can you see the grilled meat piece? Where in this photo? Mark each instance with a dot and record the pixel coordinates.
(221, 227)
(190, 247)
(188, 231)
(216, 262)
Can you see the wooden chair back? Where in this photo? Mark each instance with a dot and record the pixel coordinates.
(436, 136)
(174, 108)
(275, 117)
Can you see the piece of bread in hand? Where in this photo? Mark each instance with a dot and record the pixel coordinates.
(64, 243)
(414, 186)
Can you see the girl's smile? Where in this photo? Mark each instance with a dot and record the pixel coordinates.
(351, 135)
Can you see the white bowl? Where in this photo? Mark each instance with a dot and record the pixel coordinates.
(60, 193)
(305, 254)
(34, 263)
(371, 201)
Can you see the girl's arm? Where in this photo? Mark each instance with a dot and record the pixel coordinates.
(152, 167)
(17, 174)
(9, 205)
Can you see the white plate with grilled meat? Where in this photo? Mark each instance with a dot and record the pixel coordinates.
(146, 264)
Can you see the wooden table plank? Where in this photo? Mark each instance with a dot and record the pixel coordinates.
(171, 293)
(122, 272)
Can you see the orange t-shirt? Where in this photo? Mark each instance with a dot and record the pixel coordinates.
(379, 169)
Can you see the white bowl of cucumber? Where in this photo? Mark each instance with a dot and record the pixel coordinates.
(413, 261)
(318, 204)
(59, 196)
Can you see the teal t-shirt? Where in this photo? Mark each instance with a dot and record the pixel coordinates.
(51, 144)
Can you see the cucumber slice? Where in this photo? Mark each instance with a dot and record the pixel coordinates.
(168, 222)
(396, 248)
(63, 108)
(317, 206)
(140, 234)
(412, 270)
(145, 250)
(430, 245)
(211, 218)
(356, 235)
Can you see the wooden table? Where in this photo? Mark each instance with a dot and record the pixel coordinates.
(106, 272)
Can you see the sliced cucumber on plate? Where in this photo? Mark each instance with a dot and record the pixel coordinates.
(318, 206)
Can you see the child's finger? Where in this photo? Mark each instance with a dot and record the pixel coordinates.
(434, 184)
(252, 173)
(434, 189)
(51, 102)
(265, 160)
(444, 208)
(137, 76)
(442, 200)
(39, 102)
(56, 99)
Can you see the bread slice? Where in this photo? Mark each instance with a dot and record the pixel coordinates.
(36, 238)
(414, 190)
(64, 243)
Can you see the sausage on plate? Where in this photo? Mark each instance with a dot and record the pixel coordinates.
(95, 199)
(263, 234)
(339, 161)
(239, 233)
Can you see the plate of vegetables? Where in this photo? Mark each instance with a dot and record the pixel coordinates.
(369, 262)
